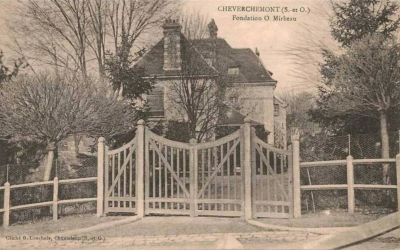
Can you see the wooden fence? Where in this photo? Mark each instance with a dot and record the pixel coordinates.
(210, 169)
(55, 201)
(350, 185)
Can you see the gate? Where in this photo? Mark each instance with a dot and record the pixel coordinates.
(193, 179)
(219, 176)
(167, 176)
(271, 180)
(120, 178)
(238, 175)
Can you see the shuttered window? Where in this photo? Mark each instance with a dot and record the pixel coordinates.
(156, 102)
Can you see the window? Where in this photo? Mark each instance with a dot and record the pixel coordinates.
(155, 99)
(209, 61)
(233, 71)
(234, 99)
(276, 109)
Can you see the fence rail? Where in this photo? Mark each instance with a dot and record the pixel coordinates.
(350, 185)
(54, 203)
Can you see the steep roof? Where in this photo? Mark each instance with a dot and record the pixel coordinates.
(251, 69)
(153, 61)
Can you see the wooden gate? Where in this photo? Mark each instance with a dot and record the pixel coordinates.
(219, 177)
(154, 175)
(193, 179)
(271, 180)
(168, 172)
(121, 179)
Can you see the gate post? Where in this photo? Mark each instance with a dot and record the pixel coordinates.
(296, 175)
(100, 175)
(398, 180)
(247, 168)
(140, 169)
(350, 184)
(193, 177)
(55, 199)
(6, 213)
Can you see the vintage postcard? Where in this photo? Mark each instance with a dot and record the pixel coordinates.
(199, 124)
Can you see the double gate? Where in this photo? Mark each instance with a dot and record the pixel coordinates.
(198, 178)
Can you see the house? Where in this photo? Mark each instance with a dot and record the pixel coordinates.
(250, 88)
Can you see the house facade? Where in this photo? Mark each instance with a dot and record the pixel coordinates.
(249, 86)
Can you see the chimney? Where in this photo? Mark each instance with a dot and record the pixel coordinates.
(257, 52)
(172, 45)
(213, 29)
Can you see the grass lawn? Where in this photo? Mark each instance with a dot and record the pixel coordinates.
(49, 226)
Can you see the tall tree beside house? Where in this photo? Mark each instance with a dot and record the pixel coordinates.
(367, 83)
(356, 19)
(51, 107)
(352, 21)
(131, 84)
(345, 104)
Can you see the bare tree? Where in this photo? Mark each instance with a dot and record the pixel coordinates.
(52, 107)
(98, 16)
(73, 33)
(299, 104)
(197, 95)
(54, 31)
(313, 37)
(129, 19)
(194, 24)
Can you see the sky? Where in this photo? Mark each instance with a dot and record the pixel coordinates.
(276, 40)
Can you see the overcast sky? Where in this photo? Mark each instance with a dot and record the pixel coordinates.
(273, 39)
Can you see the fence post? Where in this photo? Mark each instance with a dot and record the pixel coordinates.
(398, 180)
(247, 169)
(55, 199)
(296, 175)
(290, 172)
(140, 169)
(193, 177)
(350, 184)
(100, 175)
(6, 213)
(105, 183)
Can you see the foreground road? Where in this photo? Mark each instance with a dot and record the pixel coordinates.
(191, 241)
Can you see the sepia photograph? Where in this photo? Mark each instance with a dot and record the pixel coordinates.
(199, 124)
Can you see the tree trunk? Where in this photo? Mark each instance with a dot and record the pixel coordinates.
(385, 147)
(77, 140)
(49, 162)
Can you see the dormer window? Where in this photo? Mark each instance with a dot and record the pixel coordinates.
(209, 61)
(276, 109)
(233, 71)
(234, 99)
